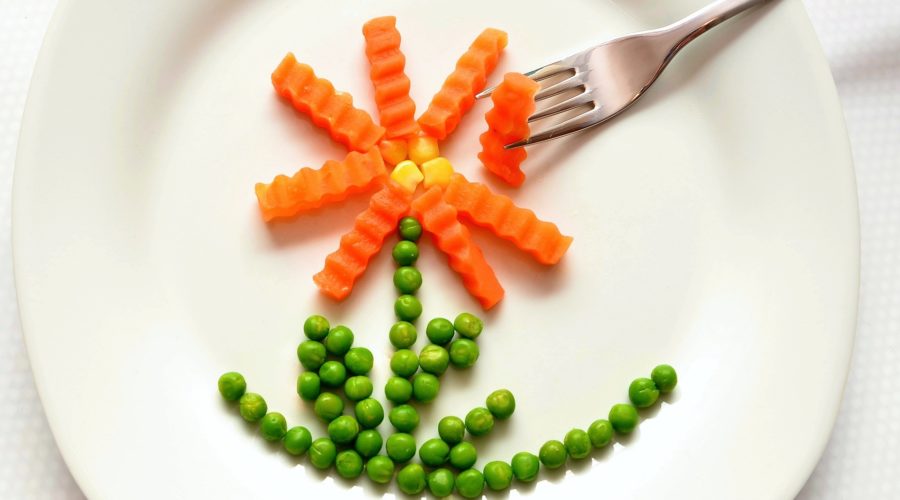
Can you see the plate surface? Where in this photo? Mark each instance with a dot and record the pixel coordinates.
(715, 229)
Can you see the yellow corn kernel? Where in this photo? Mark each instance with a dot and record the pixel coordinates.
(423, 148)
(408, 175)
(437, 172)
(393, 151)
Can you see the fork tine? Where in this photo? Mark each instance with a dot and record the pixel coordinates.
(547, 71)
(571, 103)
(574, 81)
(580, 122)
(537, 75)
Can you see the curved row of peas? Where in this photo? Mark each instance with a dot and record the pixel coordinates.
(449, 448)
(359, 441)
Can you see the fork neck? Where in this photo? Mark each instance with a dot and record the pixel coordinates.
(691, 27)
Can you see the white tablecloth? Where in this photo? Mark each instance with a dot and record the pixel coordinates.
(862, 41)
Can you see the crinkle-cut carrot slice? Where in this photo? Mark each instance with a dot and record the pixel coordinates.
(502, 162)
(311, 188)
(498, 213)
(344, 266)
(328, 109)
(465, 257)
(507, 122)
(457, 94)
(396, 109)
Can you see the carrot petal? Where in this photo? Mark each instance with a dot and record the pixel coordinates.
(541, 239)
(310, 188)
(396, 109)
(507, 122)
(344, 266)
(465, 257)
(457, 95)
(328, 109)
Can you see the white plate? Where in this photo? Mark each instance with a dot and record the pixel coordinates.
(715, 229)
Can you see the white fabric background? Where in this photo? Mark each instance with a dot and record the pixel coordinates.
(862, 41)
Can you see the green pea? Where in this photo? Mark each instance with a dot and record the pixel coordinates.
(322, 453)
(470, 483)
(368, 443)
(479, 421)
(404, 363)
(411, 479)
(553, 454)
(328, 406)
(409, 229)
(273, 426)
(297, 440)
(380, 469)
(349, 464)
(463, 455)
(600, 433)
(332, 373)
(369, 413)
(339, 340)
(252, 406)
(311, 354)
(405, 253)
(343, 429)
(525, 466)
(407, 279)
(463, 353)
(401, 447)
(403, 334)
(309, 386)
(434, 452)
(623, 417)
(441, 482)
(407, 308)
(398, 390)
(498, 475)
(643, 392)
(404, 418)
(578, 444)
(439, 331)
(316, 327)
(501, 404)
(425, 387)
(451, 429)
(468, 325)
(665, 378)
(359, 360)
(434, 359)
(358, 388)
(232, 386)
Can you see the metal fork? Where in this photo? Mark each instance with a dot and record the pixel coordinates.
(614, 74)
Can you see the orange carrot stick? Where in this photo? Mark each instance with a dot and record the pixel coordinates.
(515, 224)
(457, 94)
(439, 219)
(508, 122)
(372, 226)
(311, 188)
(396, 109)
(328, 109)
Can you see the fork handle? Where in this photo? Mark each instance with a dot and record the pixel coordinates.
(705, 19)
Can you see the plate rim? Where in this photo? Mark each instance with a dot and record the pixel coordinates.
(54, 32)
